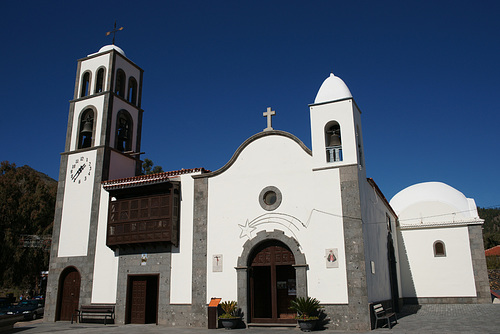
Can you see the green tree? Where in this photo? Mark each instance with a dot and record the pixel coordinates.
(27, 201)
(491, 227)
(148, 167)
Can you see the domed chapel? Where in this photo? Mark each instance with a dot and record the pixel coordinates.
(308, 222)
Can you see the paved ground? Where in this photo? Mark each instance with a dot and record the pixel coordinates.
(413, 319)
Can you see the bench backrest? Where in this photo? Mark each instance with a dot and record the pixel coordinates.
(97, 308)
(378, 309)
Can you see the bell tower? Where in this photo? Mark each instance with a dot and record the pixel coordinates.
(336, 127)
(103, 142)
(337, 148)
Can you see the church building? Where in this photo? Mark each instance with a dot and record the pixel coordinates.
(307, 222)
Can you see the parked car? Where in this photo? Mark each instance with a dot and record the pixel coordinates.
(5, 305)
(31, 309)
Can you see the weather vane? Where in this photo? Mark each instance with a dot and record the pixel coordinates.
(114, 32)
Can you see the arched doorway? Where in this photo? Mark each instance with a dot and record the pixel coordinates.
(272, 283)
(68, 294)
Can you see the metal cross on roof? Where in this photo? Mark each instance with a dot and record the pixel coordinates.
(269, 113)
(114, 32)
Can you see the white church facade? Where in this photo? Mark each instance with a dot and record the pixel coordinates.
(307, 222)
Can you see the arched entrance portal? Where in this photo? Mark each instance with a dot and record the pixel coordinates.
(68, 294)
(272, 283)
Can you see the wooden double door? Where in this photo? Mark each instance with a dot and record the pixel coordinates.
(142, 299)
(272, 284)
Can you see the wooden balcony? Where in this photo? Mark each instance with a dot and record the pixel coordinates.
(144, 219)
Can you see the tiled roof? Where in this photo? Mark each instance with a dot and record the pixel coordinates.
(148, 179)
(493, 251)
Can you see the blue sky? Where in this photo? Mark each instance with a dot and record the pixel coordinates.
(425, 75)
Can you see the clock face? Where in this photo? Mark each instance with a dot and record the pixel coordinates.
(81, 169)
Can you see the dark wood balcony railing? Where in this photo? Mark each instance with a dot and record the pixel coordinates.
(144, 219)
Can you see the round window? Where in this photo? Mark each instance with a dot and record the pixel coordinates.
(270, 198)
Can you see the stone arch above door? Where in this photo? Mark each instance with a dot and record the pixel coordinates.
(291, 243)
(243, 262)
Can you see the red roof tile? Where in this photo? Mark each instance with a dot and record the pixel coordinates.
(148, 179)
(494, 251)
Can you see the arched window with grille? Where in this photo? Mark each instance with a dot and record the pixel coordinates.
(439, 249)
(120, 83)
(86, 134)
(132, 91)
(333, 142)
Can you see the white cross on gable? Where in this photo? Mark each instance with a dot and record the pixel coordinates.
(269, 113)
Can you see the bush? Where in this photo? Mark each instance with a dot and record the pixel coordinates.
(229, 309)
(493, 262)
(306, 307)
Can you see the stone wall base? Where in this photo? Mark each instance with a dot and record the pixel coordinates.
(445, 300)
(184, 316)
(346, 317)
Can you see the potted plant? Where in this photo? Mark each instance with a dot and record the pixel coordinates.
(229, 319)
(307, 309)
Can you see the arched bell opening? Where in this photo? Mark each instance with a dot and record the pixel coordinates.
(99, 85)
(132, 91)
(85, 85)
(123, 131)
(86, 130)
(333, 142)
(68, 294)
(120, 83)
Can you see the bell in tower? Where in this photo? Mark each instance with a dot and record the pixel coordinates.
(122, 134)
(333, 143)
(334, 133)
(124, 131)
(87, 128)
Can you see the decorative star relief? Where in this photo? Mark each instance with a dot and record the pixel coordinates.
(246, 230)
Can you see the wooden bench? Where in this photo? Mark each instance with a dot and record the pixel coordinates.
(383, 314)
(93, 311)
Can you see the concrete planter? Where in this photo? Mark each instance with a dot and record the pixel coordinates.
(307, 325)
(230, 323)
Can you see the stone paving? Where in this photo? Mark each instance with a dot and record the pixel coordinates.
(443, 319)
(450, 318)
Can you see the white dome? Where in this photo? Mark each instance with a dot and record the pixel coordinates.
(332, 89)
(109, 47)
(432, 202)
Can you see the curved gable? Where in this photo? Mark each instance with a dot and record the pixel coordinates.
(249, 141)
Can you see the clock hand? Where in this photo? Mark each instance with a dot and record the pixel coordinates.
(78, 172)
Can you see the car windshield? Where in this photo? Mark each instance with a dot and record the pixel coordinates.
(28, 303)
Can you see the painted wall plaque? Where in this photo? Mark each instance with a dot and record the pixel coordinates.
(332, 257)
(217, 263)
